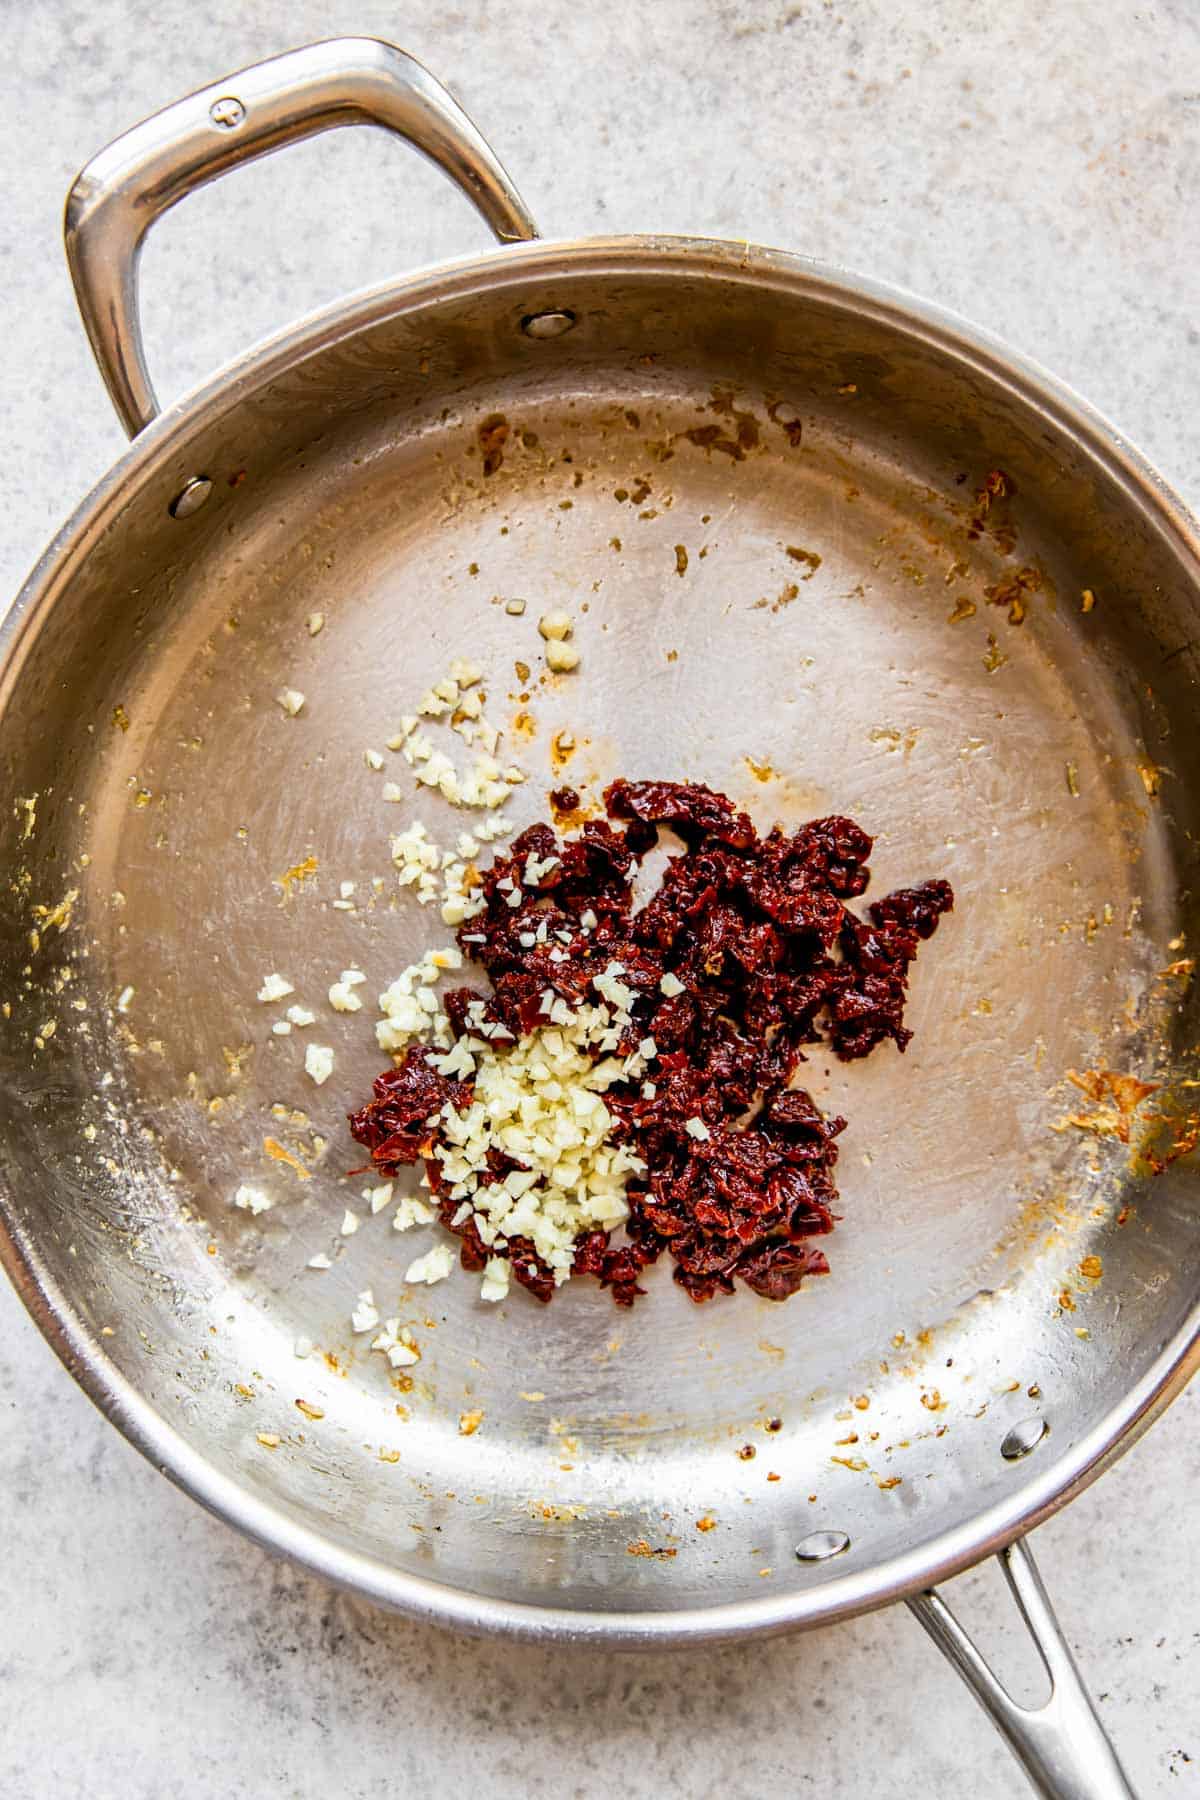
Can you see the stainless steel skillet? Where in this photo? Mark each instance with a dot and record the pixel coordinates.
(1013, 1294)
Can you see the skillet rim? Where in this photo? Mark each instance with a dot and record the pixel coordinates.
(1047, 1485)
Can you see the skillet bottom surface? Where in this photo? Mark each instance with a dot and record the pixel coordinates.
(805, 662)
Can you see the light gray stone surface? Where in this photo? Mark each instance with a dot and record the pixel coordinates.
(1036, 167)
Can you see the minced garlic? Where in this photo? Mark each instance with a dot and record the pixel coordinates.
(342, 996)
(252, 1200)
(435, 1265)
(409, 1005)
(540, 1101)
(275, 987)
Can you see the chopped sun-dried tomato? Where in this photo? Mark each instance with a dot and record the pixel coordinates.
(762, 958)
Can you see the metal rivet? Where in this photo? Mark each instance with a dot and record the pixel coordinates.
(548, 324)
(227, 112)
(191, 497)
(819, 1546)
(1024, 1437)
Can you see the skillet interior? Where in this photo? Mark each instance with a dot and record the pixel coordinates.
(956, 1283)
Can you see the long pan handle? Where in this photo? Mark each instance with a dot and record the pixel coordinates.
(1061, 1745)
(122, 191)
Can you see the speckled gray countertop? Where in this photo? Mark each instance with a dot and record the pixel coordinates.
(1035, 167)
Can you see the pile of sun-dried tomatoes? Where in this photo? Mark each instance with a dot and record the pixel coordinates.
(770, 959)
